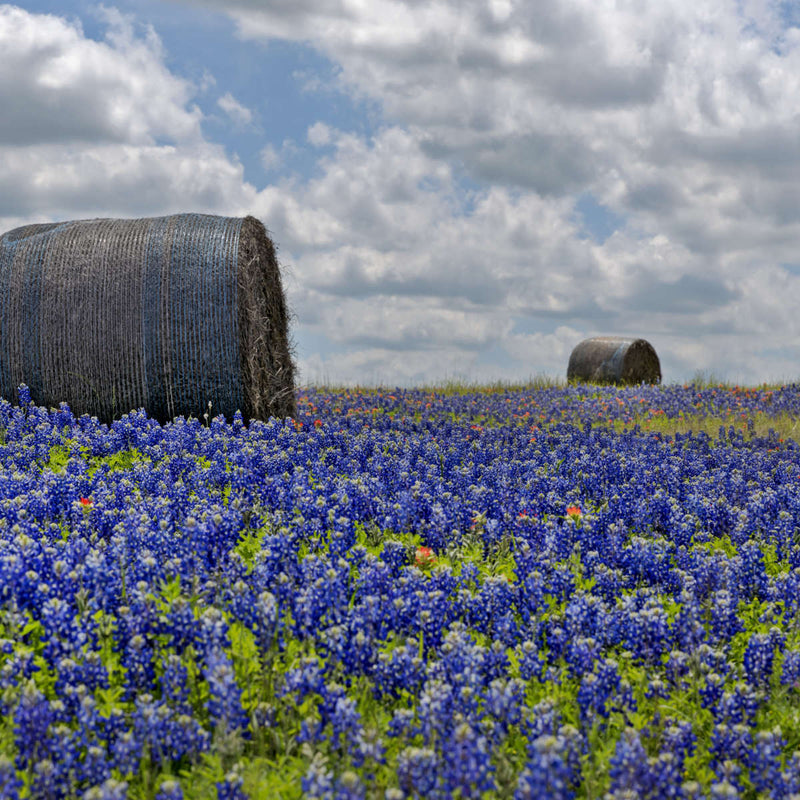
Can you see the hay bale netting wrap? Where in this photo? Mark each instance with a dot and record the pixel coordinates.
(614, 359)
(165, 313)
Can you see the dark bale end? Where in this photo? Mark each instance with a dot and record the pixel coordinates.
(266, 362)
(614, 359)
(165, 313)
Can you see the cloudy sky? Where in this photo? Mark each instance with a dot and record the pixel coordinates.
(458, 188)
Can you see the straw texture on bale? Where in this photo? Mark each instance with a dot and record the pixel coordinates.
(162, 313)
(614, 359)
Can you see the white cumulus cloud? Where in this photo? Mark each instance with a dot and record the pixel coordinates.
(240, 114)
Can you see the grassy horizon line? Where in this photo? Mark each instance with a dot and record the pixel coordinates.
(700, 380)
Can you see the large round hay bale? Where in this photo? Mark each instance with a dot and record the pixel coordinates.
(165, 313)
(614, 359)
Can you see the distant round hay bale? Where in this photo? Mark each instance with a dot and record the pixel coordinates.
(614, 359)
(165, 313)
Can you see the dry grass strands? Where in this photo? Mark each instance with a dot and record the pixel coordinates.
(165, 313)
(614, 359)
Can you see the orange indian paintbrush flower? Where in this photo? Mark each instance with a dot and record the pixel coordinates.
(425, 558)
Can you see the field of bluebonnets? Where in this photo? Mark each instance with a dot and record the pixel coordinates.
(549, 592)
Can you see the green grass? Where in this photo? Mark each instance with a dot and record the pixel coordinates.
(785, 426)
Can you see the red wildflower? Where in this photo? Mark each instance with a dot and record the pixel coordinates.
(573, 511)
(425, 558)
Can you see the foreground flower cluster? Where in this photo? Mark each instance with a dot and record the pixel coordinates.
(402, 595)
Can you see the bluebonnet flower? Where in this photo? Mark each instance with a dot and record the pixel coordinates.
(348, 786)
(556, 643)
(352, 646)
(403, 724)
(180, 624)
(367, 746)
(608, 582)
(266, 624)
(758, 658)
(728, 743)
(139, 660)
(790, 671)
(667, 774)
(225, 701)
(466, 762)
(599, 690)
(729, 779)
(323, 597)
(318, 782)
(399, 670)
(174, 681)
(751, 574)
(713, 660)
(764, 762)
(435, 708)
(505, 699)
(691, 790)
(531, 663)
(739, 705)
(562, 583)
(126, 753)
(169, 734)
(95, 768)
(371, 614)
(724, 790)
(543, 719)
(688, 631)
(657, 688)
(10, 783)
(345, 721)
(790, 778)
(461, 659)
(677, 668)
(585, 616)
(630, 769)
(712, 690)
(230, 787)
(312, 729)
(48, 781)
(548, 773)
(425, 612)
(32, 718)
(395, 555)
(62, 635)
(646, 561)
(211, 634)
(492, 601)
(418, 770)
(645, 632)
(263, 716)
(169, 789)
(679, 739)
(24, 395)
(581, 655)
(495, 662)
(110, 789)
(306, 679)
